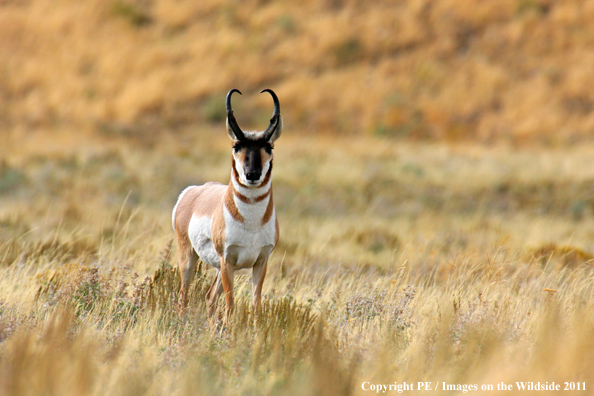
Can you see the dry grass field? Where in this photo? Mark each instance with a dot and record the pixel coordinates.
(422, 262)
(434, 185)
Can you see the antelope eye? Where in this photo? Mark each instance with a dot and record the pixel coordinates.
(236, 149)
(268, 149)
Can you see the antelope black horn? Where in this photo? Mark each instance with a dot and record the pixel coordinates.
(274, 121)
(231, 122)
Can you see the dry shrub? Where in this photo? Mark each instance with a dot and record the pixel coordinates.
(53, 281)
(551, 254)
(376, 240)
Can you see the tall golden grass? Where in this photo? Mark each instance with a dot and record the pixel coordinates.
(464, 265)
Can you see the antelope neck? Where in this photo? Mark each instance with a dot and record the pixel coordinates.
(252, 207)
(251, 195)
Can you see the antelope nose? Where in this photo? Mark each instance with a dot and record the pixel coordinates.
(252, 176)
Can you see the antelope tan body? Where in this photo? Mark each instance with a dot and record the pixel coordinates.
(232, 226)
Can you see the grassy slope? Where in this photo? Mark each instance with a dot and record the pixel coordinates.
(473, 69)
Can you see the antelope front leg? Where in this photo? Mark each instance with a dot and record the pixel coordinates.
(227, 275)
(212, 297)
(187, 268)
(258, 275)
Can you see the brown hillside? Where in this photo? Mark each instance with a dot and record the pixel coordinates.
(473, 69)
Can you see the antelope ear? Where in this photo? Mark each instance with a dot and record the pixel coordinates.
(278, 129)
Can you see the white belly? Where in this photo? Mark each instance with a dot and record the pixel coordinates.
(199, 232)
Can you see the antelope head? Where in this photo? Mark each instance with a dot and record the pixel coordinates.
(252, 151)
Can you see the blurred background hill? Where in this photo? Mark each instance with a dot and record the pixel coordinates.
(518, 71)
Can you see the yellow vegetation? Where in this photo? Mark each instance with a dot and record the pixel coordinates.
(416, 264)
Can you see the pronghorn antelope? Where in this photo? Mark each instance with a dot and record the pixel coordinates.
(231, 226)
